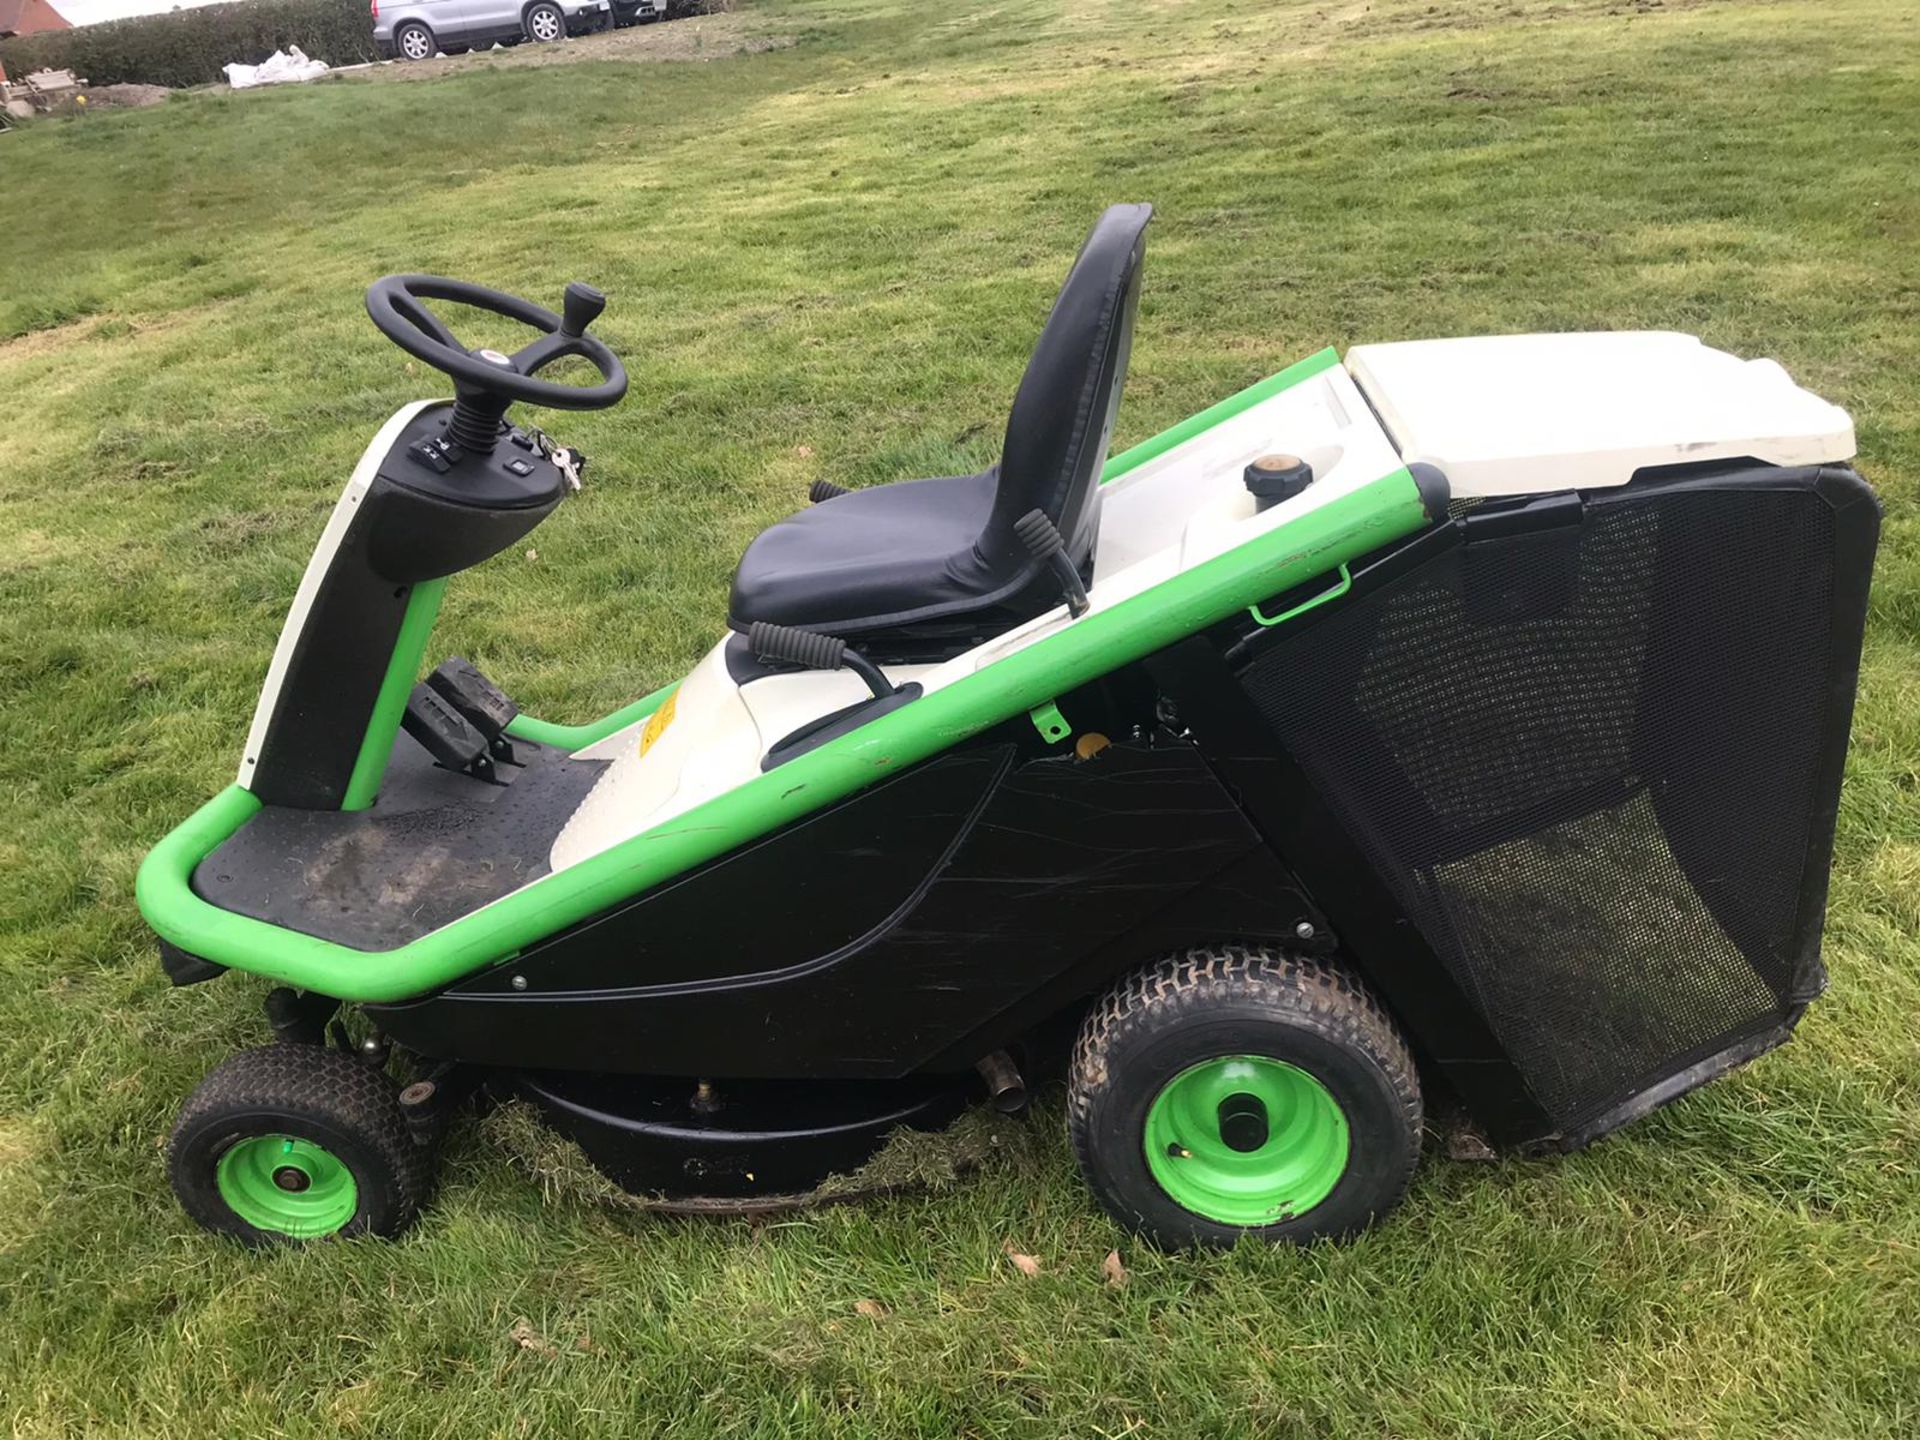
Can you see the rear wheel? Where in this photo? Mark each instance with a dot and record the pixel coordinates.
(414, 42)
(1237, 1092)
(296, 1142)
(545, 22)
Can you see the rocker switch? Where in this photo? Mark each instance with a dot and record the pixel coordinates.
(432, 454)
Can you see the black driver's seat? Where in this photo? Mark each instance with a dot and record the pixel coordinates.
(924, 569)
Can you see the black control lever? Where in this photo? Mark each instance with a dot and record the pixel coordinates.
(790, 645)
(580, 307)
(1043, 542)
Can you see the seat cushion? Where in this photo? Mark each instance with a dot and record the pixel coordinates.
(878, 558)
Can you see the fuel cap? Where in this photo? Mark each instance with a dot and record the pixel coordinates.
(1273, 478)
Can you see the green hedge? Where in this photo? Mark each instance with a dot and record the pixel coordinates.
(188, 47)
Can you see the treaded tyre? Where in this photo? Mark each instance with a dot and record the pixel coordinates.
(296, 1142)
(1231, 1092)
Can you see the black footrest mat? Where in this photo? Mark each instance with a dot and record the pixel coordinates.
(436, 846)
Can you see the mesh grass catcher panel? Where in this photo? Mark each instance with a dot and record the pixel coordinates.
(1596, 762)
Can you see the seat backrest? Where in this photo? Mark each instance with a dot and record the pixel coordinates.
(1064, 410)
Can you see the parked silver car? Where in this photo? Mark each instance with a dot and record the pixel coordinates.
(415, 29)
(638, 12)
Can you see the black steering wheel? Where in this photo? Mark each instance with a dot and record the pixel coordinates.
(398, 306)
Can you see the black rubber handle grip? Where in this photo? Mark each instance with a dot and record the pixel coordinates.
(796, 647)
(1043, 542)
(1039, 535)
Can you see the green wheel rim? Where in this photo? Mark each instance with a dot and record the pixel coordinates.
(288, 1186)
(1244, 1140)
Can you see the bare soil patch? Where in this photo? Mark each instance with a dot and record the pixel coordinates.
(128, 95)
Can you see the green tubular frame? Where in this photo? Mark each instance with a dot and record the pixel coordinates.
(578, 737)
(383, 726)
(1318, 541)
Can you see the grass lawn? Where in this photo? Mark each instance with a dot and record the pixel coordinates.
(829, 259)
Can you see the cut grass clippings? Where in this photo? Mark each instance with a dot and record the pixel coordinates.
(934, 1162)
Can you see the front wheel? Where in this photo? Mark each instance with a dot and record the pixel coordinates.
(296, 1142)
(1236, 1092)
(545, 22)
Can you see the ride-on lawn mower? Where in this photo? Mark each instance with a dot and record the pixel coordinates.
(1465, 716)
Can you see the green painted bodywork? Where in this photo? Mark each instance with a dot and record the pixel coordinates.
(1302, 1157)
(246, 1179)
(403, 667)
(1092, 646)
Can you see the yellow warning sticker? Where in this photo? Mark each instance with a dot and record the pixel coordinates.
(657, 724)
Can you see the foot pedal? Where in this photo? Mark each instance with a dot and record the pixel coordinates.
(446, 734)
(480, 702)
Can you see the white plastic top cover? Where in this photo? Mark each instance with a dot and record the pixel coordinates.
(1517, 414)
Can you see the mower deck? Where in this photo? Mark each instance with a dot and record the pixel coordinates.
(742, 1145)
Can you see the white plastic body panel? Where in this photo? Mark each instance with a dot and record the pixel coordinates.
(345, 509)
(1518, 414)
(709, 746)
(1175, 511)
(1191, 503)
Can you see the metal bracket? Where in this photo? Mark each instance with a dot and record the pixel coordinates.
(1051, 724)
